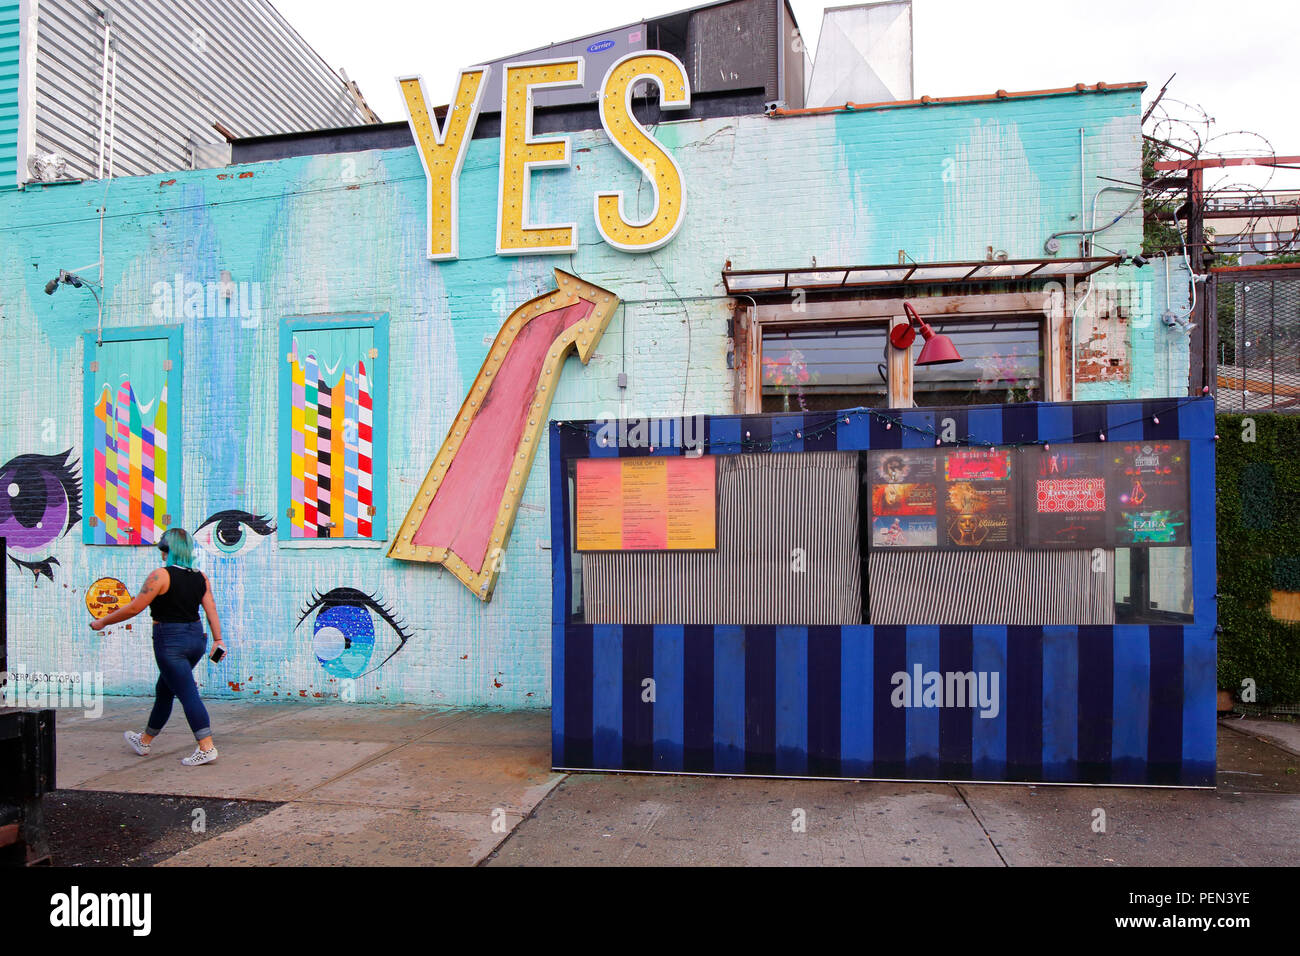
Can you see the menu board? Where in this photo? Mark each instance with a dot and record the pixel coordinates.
(1151, 498)
(646, 504)
(1066, 497)
(958, 499)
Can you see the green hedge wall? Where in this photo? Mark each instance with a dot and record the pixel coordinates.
(1259, 550)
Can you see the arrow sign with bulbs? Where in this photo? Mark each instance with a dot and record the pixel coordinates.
(463, 513)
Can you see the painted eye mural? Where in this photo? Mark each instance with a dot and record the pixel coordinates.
(233, 533)
(39, 503)
(343, 631)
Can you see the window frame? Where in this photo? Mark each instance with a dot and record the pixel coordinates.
(377, 322)
(1038, 305)
(950, 326)
(779, 326)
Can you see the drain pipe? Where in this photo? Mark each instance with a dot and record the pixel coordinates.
(1083, 198)
(1089, 232)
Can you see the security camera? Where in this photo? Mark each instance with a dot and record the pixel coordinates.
(66, 278)
(1140, 260)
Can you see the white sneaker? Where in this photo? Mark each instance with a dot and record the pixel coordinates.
(200, 756)
(138, 745)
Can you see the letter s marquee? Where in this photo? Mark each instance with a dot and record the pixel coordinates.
(665, 176)
(442, 153)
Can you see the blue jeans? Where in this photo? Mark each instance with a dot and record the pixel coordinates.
(178, 647)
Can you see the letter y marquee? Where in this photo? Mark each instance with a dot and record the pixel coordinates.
(442, 152)
(464, 510)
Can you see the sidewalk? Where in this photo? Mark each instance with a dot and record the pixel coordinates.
(365, 785)
(1284, 734)
(360, 785)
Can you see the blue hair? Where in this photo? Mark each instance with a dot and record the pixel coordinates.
(180, 548)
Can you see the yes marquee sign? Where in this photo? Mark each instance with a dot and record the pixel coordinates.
(442, 150)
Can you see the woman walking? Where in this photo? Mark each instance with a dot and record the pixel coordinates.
(173, 595)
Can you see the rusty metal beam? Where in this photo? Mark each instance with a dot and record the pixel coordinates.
(1221, 162)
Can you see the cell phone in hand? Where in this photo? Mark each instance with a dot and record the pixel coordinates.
(217, 654)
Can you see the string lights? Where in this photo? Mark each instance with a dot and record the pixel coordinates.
(833, 422)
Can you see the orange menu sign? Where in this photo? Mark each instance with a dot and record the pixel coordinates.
(647, 504)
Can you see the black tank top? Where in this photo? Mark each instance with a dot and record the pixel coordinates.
(180, 604)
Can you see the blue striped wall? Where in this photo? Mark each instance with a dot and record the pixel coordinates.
(1117, 704)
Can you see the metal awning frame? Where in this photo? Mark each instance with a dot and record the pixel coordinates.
(758, 282)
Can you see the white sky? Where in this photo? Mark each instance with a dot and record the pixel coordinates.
(1235, 59)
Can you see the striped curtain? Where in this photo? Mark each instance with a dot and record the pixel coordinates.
(991, 587)
(776, 514)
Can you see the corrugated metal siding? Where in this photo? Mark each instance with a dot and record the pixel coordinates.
(768, 505)
(990, 587)
(792, 60)
(10, 56)
(734, 46)
(181, 65)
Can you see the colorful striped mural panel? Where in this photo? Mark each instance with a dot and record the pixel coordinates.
(330, 460)
(129, 494)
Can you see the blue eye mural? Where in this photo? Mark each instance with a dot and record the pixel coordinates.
(40, 501)
(233, 533)
(343, 632)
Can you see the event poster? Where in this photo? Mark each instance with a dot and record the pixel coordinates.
(1066, 497)
(897, 532)
(957, 499)
(1151, 500)
(979, 502)
(657, 503)
(904, 498)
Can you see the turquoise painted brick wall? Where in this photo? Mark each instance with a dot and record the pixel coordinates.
(346, 233)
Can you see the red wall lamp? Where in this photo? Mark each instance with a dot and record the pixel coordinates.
(937, 350)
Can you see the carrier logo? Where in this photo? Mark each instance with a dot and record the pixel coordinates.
(102, 909)
(947, 689)
(600, 46)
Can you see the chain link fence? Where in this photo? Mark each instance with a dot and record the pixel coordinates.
(1259, 341)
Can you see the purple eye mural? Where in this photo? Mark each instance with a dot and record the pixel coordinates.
(40, 501)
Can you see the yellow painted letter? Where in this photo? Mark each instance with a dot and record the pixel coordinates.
(521, 153)
(442, 151)
(669, 194)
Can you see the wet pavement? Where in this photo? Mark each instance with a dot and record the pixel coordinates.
(350, 785)
(332, 784)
